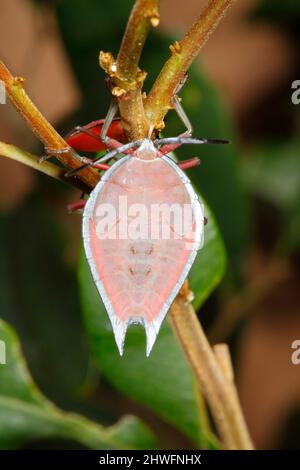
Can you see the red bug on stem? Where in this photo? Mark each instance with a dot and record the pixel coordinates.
(87, 138)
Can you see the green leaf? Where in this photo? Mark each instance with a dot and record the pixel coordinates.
(39, 295)
(25, 414)
(163, 382)
(272, 173)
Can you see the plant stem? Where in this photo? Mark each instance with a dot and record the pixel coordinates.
(41, 127)
(125, 74)
(224, 360)
(10, 151)
(48, 168)
(159, 100)
(219, 391)
(144, 15)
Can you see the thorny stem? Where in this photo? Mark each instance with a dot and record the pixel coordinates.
(217, 387)
(159, 100)
(40, 126)
(127, 78)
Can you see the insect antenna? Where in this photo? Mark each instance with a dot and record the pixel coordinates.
(181, 140)
(190, 163)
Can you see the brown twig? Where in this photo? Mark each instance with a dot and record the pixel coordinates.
(159, 100)
(41, 127)
(125, 74)
(224, 360)
(218, 390)
(144, 15)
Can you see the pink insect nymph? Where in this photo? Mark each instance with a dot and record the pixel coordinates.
(139, 257)
(138, 278)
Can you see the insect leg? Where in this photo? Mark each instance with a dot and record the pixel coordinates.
(108, 141)
(76, 206)
(167, 148)
(179, 108)
(191, 163)
(112, 154)
(84, 160)
(112, 110)
(182, 115)
(182, 139)
(51, 152)
(99, 166)
(81, 129)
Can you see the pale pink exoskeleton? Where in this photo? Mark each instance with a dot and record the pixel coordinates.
(139, 259)
(138, 273)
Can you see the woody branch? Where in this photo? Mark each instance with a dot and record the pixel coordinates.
(42, 128)
(126, 76)
(183, 53)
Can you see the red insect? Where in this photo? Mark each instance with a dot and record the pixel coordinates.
(87, 138)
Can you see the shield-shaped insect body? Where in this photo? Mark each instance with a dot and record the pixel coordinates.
(142, 227)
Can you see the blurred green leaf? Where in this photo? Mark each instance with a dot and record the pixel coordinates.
(38, 295)
(272, 173)
(26, 415)
(164, 382)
